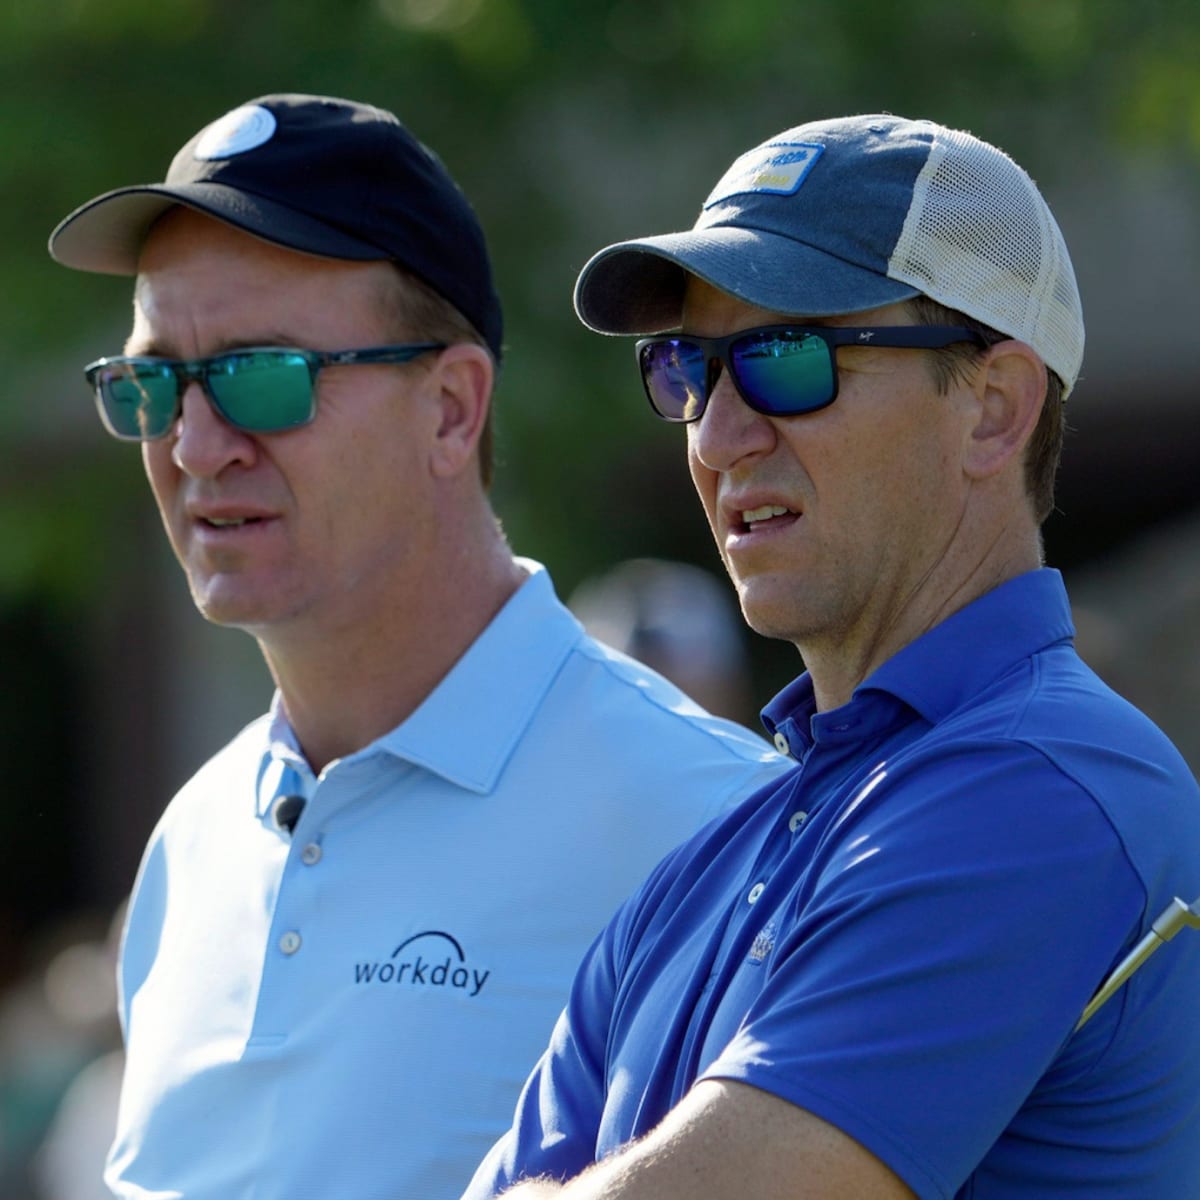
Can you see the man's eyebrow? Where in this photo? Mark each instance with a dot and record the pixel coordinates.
(157, 348)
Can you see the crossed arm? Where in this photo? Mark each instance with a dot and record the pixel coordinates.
(934, 1041)
(728, 1141)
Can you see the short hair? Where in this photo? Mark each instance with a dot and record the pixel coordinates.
(422, 314)
(954, 363)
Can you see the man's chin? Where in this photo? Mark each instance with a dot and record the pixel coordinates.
(768, 607)
(234, 609)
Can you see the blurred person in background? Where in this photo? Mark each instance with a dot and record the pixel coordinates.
(352, 927)
(870, 980)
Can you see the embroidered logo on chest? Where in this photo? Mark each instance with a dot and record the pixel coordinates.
(764, 943)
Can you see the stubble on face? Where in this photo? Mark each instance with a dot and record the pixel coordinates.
(869, 483)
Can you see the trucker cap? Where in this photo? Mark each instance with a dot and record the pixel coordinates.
(844, 215)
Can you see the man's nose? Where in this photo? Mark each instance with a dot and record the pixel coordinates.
(205, 443)
(730, 429)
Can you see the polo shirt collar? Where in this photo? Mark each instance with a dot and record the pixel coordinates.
(958, 658)
(939, 671)
(467, 727)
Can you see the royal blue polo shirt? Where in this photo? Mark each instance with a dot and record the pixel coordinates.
(900, 937)
(350, 1011)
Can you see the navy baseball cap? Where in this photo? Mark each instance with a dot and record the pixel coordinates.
(844, 215)
(313, 173)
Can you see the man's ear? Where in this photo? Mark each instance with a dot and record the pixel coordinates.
(463, 376)
(1010, 389)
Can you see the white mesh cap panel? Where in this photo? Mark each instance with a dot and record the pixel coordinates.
(979, 238)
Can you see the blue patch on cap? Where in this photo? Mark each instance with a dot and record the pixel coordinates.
(778, 168)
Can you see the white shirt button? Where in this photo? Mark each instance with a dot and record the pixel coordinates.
(290, 942)
(781, 744)
(311, 854)
(796, 820)
(756, 891)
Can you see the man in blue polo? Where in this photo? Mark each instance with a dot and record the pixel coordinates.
(868, 981)
(353, 925)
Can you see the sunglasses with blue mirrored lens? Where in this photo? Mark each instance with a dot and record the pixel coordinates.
(261, 389)
(778, 370)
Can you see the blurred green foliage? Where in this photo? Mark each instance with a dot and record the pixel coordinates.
(570, 125)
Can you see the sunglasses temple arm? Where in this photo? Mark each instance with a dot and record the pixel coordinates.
(1170, 921)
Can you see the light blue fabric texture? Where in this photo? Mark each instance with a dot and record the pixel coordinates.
(901, 936)
(350, 1012)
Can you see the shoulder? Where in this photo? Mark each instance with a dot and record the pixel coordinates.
(622, 685)
(647, 738)
(1115, 755)
(1076, 718)
(635, 745)
(1051, 769)
(1058, 719)
(1051, 710)
(570, 685)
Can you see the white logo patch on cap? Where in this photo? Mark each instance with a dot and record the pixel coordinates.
(777, 167)
(236, 132)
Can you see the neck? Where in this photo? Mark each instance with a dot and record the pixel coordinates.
(837, 664)
(345, 686)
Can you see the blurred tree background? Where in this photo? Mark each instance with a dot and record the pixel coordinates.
(570, 125)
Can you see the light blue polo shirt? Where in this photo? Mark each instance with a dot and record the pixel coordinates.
(350, 1011)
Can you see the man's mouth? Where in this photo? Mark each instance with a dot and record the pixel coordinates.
(756, 518)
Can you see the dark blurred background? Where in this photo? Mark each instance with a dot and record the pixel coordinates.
(569, 126)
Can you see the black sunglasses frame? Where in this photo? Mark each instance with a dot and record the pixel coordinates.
(717, 354)
(198, 370)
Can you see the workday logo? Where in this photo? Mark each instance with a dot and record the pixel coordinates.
(430, 959)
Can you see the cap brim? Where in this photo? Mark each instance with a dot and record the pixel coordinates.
(106, 234)
(637, 287)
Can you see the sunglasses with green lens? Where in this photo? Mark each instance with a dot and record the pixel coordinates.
(260, 389)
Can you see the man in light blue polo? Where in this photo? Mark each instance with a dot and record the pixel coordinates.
(353, 926)
(867, 983)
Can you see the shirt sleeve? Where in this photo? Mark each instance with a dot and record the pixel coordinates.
(963, 913)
